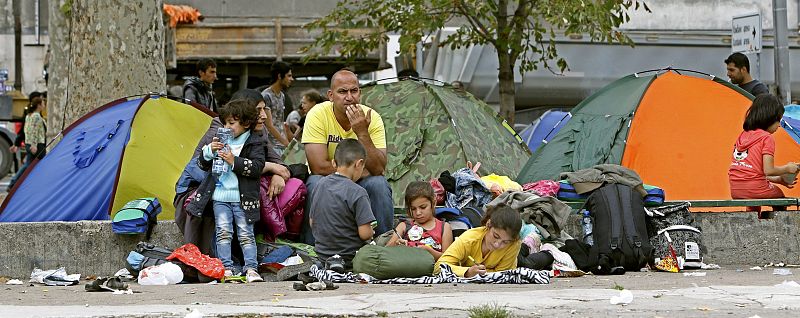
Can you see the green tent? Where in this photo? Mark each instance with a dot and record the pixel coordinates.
(432, 128)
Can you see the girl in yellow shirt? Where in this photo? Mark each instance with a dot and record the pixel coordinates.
(493, 247)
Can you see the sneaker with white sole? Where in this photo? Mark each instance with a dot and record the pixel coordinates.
(253, 276)
(228, 273)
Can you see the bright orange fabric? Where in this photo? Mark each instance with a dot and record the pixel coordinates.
(181, 14)
(682, 137)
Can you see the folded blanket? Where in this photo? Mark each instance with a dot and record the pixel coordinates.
(513, 276)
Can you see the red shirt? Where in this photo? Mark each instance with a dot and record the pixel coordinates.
(747, 162)
(420, 236)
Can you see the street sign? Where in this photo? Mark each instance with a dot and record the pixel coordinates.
(746, 33)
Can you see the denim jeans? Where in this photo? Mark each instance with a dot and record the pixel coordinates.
(226, 215)
(380, 200)
(28, 159)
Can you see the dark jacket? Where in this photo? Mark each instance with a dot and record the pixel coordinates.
(247, 167)
(197, 91)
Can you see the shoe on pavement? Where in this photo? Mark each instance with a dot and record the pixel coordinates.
(336, 264)
(253, 276)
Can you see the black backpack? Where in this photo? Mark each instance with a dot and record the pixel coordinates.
(619, 229)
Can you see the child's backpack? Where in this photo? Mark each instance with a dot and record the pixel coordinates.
(676, 223)
(137, 217)
(619, 229)
(459, 222)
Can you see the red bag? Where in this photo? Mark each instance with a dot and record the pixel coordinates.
(283, 215)
(190, 255)
(438, 190)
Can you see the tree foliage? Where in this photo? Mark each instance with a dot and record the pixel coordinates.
(521, 31)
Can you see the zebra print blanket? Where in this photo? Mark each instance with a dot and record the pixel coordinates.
(514, 276)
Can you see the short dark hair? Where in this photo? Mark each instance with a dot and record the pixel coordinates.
(250, 95)
(204, 64)
(765, 111)
(419, 189)
(505, 218)
(409, 72)
(314, 96)
(242, 110)
(348, 152)
(279, 70)
(739, 60)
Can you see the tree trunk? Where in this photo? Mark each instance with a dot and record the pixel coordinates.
(507, 88)
(102, 51)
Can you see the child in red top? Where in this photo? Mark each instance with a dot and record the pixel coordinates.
(423, 230)
(753, 171)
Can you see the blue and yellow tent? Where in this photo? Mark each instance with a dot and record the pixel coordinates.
(124, 150)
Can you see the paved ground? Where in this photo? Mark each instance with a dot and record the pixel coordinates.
(727, 292)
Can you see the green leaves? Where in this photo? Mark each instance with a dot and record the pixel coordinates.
(523, 31)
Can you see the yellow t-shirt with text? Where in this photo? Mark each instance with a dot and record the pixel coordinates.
(321, 127)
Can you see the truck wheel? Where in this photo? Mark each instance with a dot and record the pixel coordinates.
(6, 158)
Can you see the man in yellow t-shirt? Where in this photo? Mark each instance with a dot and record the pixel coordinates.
(344, 118)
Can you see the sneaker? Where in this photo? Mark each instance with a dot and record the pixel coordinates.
(335, 263)
(228, 273)
(253, 276)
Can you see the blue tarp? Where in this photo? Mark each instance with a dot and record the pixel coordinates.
(544, 128)
(58, 189)
(791, 121)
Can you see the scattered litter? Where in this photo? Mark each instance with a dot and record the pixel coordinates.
(14, 282)
(788, 284)
(741, 305)
(213, 282)
(781, 272)
(112, 284)
(625, 297)
(754, 316)
(195, 314)
(125, 275)
(315, 286)
(199, 303)
(294, 260)
(709, 266)
(704, 309)
(164, 274)
(191, 292)
(123, 292)
(695, 274)
(278, 295)
(572, 312)
(756, 268)
(739, 270)
(54, 277)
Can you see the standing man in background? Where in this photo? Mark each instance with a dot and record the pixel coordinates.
(738, 67)
(199, 88)
(275, 98)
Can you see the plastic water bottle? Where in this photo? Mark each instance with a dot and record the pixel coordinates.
(218, 167)
(587, 228)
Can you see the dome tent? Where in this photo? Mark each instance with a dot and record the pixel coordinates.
(124, 150)
(676, 130)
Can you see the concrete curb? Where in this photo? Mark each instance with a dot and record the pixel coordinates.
(91, 248)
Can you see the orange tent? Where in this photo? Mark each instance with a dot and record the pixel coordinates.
(677, 131)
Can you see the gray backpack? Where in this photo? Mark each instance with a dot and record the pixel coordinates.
(676, 223)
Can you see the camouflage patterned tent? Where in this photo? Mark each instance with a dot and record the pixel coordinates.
(432, 128)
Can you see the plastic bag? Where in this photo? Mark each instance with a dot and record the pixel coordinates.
(54, 277)
(190, 255)
(164, 274)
